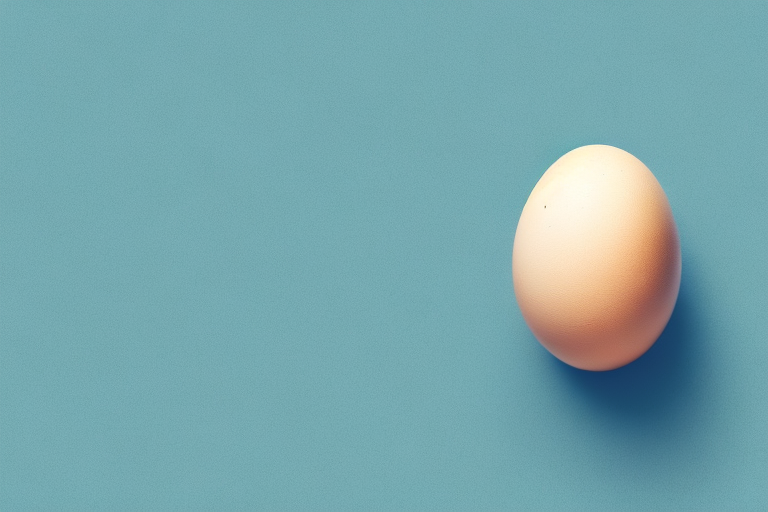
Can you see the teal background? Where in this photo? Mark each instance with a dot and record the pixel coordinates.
(256, 256)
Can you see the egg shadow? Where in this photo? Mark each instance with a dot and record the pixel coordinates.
(656, 384)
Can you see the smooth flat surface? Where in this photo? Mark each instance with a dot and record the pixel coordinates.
(258, 258)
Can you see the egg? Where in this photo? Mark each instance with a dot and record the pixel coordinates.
(596, 259)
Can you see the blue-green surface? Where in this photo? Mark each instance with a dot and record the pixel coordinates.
(257, 256)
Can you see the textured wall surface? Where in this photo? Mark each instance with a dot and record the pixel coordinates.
(258, 257)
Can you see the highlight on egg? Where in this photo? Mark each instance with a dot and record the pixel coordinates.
(596, 261)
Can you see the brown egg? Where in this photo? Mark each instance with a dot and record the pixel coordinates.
(596, 260)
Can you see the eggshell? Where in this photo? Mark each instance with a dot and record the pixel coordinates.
(596, 261)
